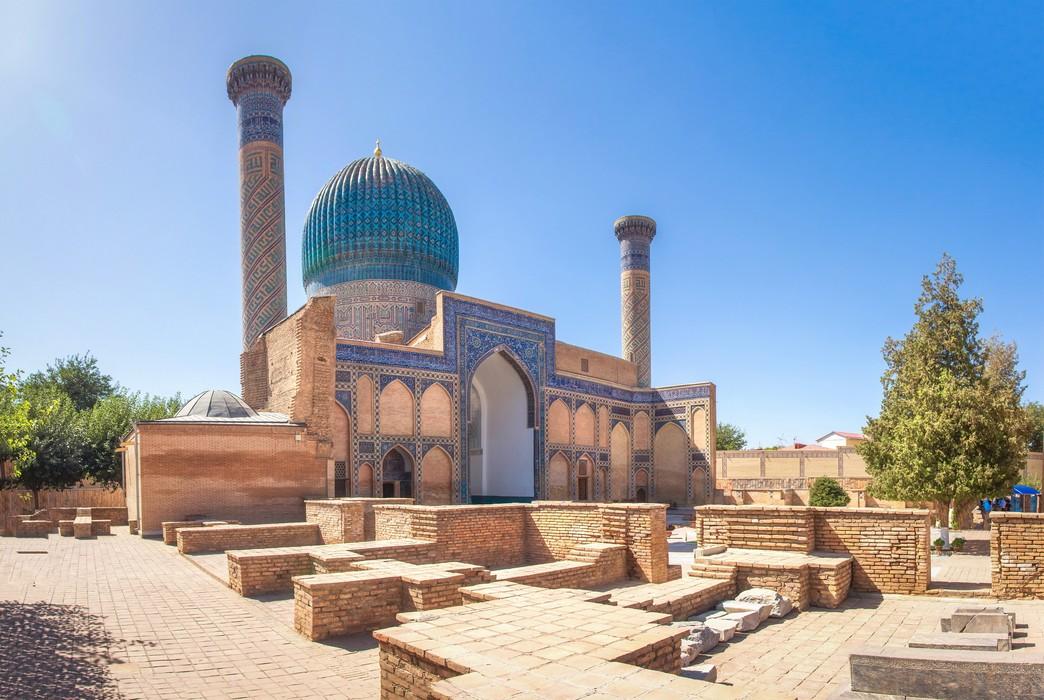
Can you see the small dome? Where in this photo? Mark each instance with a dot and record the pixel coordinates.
(379, 219)
(216, 403)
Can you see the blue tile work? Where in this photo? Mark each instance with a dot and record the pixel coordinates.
(379, 219)
(260, 118)
(344, 398)
(472, 331)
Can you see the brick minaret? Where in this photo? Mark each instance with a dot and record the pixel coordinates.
(259, 86)
(635, 234)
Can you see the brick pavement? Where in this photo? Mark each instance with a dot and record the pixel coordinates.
(807, 653)
(122, 617)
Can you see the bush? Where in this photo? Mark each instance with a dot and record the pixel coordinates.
(826, 492)
(957, 544)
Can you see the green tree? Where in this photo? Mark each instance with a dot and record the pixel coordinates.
(77, 376)
(730, 437)
(108, 422)
(827, 492)
(951, 426)
(1035, 416)
(56, 442)
(15, 424)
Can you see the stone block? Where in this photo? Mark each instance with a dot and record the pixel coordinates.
(992, 622)
(701, 672)
(781, 605)
(733, 606)
(976, 609)
(82, 526)
(946, 674)
(725, 628)
(971, 641)
(746, 621)
(709, 615)
(700, 640)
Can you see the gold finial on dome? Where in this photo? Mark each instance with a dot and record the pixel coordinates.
(377, 151)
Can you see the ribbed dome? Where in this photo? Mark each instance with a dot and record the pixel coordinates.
(216, 403)
(379, 219)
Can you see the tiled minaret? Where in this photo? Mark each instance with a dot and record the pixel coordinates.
(259, 86)
(635, 234)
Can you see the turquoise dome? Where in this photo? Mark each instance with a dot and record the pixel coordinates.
(379, 219)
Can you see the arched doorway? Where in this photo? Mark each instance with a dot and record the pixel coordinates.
(397, 474)
(641, 486)
(584, 477)
(500, 432)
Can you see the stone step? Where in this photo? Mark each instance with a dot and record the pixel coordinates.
(969, 641)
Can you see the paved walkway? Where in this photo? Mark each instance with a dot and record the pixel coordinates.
(807, 653)
(122, 617)
(967, 571)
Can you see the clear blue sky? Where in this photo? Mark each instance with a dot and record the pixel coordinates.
(807, 163)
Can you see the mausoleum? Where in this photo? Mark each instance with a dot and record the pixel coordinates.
(389, 383)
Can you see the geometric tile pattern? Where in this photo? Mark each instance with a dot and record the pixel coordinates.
(259, 86)
(635, 234)
(472, 331)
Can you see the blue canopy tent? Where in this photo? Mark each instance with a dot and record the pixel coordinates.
(1024, 499)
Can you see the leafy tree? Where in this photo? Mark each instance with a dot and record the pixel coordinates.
(56, 442)
(951, 426)
(15, 424)
(730, 437)
(108, 421)
(1035, 415)
(77, 376)
(827, 492)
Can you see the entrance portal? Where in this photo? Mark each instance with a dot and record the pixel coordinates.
(500, 433)
(397, 475)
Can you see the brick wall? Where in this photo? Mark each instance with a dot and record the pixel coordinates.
(890, 548)
(1017, 555)
(756, 527)
(346, 519)
(514, 534)
(301, 353)
(225, 471)
(220, 538)
(554, 528)
(490, 535)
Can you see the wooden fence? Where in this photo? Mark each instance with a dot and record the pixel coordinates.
(18, 502)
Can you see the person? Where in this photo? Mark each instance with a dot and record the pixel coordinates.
(985, 506)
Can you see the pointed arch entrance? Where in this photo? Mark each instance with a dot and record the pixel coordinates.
(397, 474)
(500, 432)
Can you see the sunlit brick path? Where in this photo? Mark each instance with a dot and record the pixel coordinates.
(124, 617)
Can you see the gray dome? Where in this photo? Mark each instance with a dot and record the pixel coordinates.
(216, 403)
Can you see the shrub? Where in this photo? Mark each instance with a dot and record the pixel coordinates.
(827, 492)
(957, 544)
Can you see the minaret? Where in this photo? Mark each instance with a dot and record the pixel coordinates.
(635, 234)
(259, 86)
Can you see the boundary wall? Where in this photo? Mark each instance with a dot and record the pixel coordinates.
(1017, 555)
(889, 548)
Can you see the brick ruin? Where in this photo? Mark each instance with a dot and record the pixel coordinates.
(362, 564)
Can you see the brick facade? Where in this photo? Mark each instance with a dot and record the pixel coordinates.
(254, 473)
(1017, 555)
